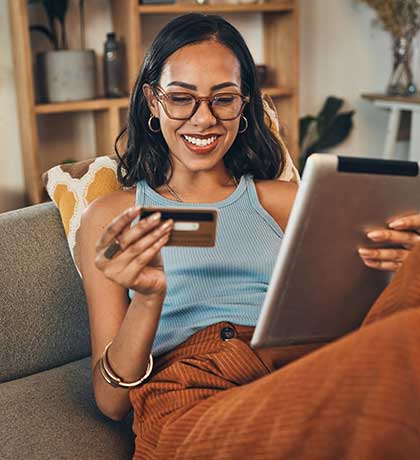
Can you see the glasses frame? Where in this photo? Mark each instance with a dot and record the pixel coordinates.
(161, 95)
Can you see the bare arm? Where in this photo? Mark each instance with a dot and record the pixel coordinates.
(130, 325)
(128, 355)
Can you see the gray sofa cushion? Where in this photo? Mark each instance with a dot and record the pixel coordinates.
(52, 415)
(43, 313)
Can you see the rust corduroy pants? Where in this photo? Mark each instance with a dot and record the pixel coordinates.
(355, 398)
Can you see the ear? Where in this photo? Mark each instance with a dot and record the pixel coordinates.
(151, 100)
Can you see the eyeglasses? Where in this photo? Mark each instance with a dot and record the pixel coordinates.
(182, 106)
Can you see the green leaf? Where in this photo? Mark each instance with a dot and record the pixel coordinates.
(337, 131)
(56, 9)
(328, 112)
(304, 124)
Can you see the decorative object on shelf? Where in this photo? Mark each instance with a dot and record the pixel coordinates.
(262, 74)
(329, 128)
(401, 81)
(112, 67)
(63, 74)
(401, 18)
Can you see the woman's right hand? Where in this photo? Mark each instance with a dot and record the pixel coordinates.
(139, 264)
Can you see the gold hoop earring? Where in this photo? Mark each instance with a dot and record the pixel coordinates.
(246, 125)
(150, 124)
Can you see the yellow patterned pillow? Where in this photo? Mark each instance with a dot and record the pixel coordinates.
(72, 186)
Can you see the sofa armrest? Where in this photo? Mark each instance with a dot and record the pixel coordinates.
(44, 321)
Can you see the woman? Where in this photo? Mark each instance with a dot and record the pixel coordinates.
(196, 137)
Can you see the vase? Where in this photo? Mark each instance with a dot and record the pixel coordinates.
(401, 81)
(66, 75)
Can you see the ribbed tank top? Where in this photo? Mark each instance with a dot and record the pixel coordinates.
(227, 282)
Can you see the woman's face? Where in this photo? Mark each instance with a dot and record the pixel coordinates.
(203, 69)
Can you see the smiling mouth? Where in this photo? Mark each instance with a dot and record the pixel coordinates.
(200, 142)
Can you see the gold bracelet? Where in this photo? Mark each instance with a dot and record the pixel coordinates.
(104, 375)
(113, 379)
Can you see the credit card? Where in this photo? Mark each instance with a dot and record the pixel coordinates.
(192, 227)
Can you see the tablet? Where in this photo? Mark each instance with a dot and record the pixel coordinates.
(320, 288)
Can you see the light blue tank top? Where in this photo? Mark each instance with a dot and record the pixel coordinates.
(227, 282)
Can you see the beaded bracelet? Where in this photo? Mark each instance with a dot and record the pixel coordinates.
(110, 377)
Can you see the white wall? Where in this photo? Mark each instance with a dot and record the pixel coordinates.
(341, 55)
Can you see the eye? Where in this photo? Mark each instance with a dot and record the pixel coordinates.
(225, 99)
(180, 98)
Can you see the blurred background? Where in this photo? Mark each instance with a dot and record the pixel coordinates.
(331, 49)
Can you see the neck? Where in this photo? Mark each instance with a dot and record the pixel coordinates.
(199, 187)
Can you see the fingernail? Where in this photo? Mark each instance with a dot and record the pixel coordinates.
(155, 216)
(364, 251)
(370, 263)
(376, 235)
(167, 224)
(396, 223)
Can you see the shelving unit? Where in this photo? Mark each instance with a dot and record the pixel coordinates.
(281, 48)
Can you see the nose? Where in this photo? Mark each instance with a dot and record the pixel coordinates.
(203, 115)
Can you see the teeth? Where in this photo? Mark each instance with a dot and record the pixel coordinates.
(200, 142)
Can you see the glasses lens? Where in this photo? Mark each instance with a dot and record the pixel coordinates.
(227, 106)
(179, 105)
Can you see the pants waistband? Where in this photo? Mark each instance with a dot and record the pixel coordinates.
(208, 340)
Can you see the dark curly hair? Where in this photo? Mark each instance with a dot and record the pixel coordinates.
(147, 156)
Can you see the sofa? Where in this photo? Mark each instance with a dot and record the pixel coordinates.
(47, 406)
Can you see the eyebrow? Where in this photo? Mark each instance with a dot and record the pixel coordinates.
(194, 88)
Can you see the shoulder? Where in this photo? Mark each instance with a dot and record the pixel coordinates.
(277, 198)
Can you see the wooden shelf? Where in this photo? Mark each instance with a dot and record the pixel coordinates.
(414, 99)
(277, 92)
(280, 5)
(130, 20)
(82, 106)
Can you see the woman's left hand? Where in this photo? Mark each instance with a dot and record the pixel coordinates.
(404, 232)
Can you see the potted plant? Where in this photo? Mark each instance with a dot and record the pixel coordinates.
(329, 128)
(63, 74)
